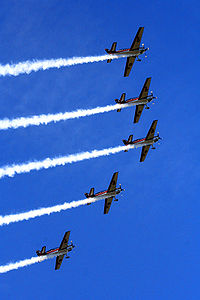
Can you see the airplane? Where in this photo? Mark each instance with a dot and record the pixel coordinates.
(145, 143)
(140, 102)
(132, 53)
(58, 252)
(108, 195)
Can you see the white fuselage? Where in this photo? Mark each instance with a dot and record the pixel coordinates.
(143, 142)
(105, 194)
(128, 52)
(56, 252)
(136, 101)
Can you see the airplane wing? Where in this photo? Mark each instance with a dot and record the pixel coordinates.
(59, 260)
(65, 240)
(63, 245)
(145, 89)
(129, 63)
(151, 132)
(145, 150)
(138, 112)
(135, 45)
(137, 39)
(111, 188)
(113, 182)
(107, 205)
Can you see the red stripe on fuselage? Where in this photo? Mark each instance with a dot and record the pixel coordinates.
(131, 100)
(52, 250)
(122, 50)
(137, 141)
(100, 193)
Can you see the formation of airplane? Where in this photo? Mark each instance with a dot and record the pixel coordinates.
(142, 101)
(108, 195)
(133, 52)
(146, 142)
(58, 252)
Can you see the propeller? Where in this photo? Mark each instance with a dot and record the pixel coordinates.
(159, 136)
(120, 187)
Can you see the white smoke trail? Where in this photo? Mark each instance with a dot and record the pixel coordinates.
(6, 220)
(36, 65)
(45, 119)
(12, 170)
(23, 263)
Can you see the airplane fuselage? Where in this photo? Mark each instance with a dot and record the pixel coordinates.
(137, 101)
(143, 142)
(105, 194)
(128, 52)
(57, 252)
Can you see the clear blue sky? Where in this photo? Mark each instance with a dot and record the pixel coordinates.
(148, 246)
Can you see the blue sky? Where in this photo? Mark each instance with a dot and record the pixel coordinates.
(148, 246)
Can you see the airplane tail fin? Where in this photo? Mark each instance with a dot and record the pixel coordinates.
(121, 100)
(130, 139)
(127, 142)
(91, 194)
(42, 252)
(113, 49)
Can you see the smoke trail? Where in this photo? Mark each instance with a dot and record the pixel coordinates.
(45, 119)
(6, 220)
(12, 170)
(23, 263)
(36, 65)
